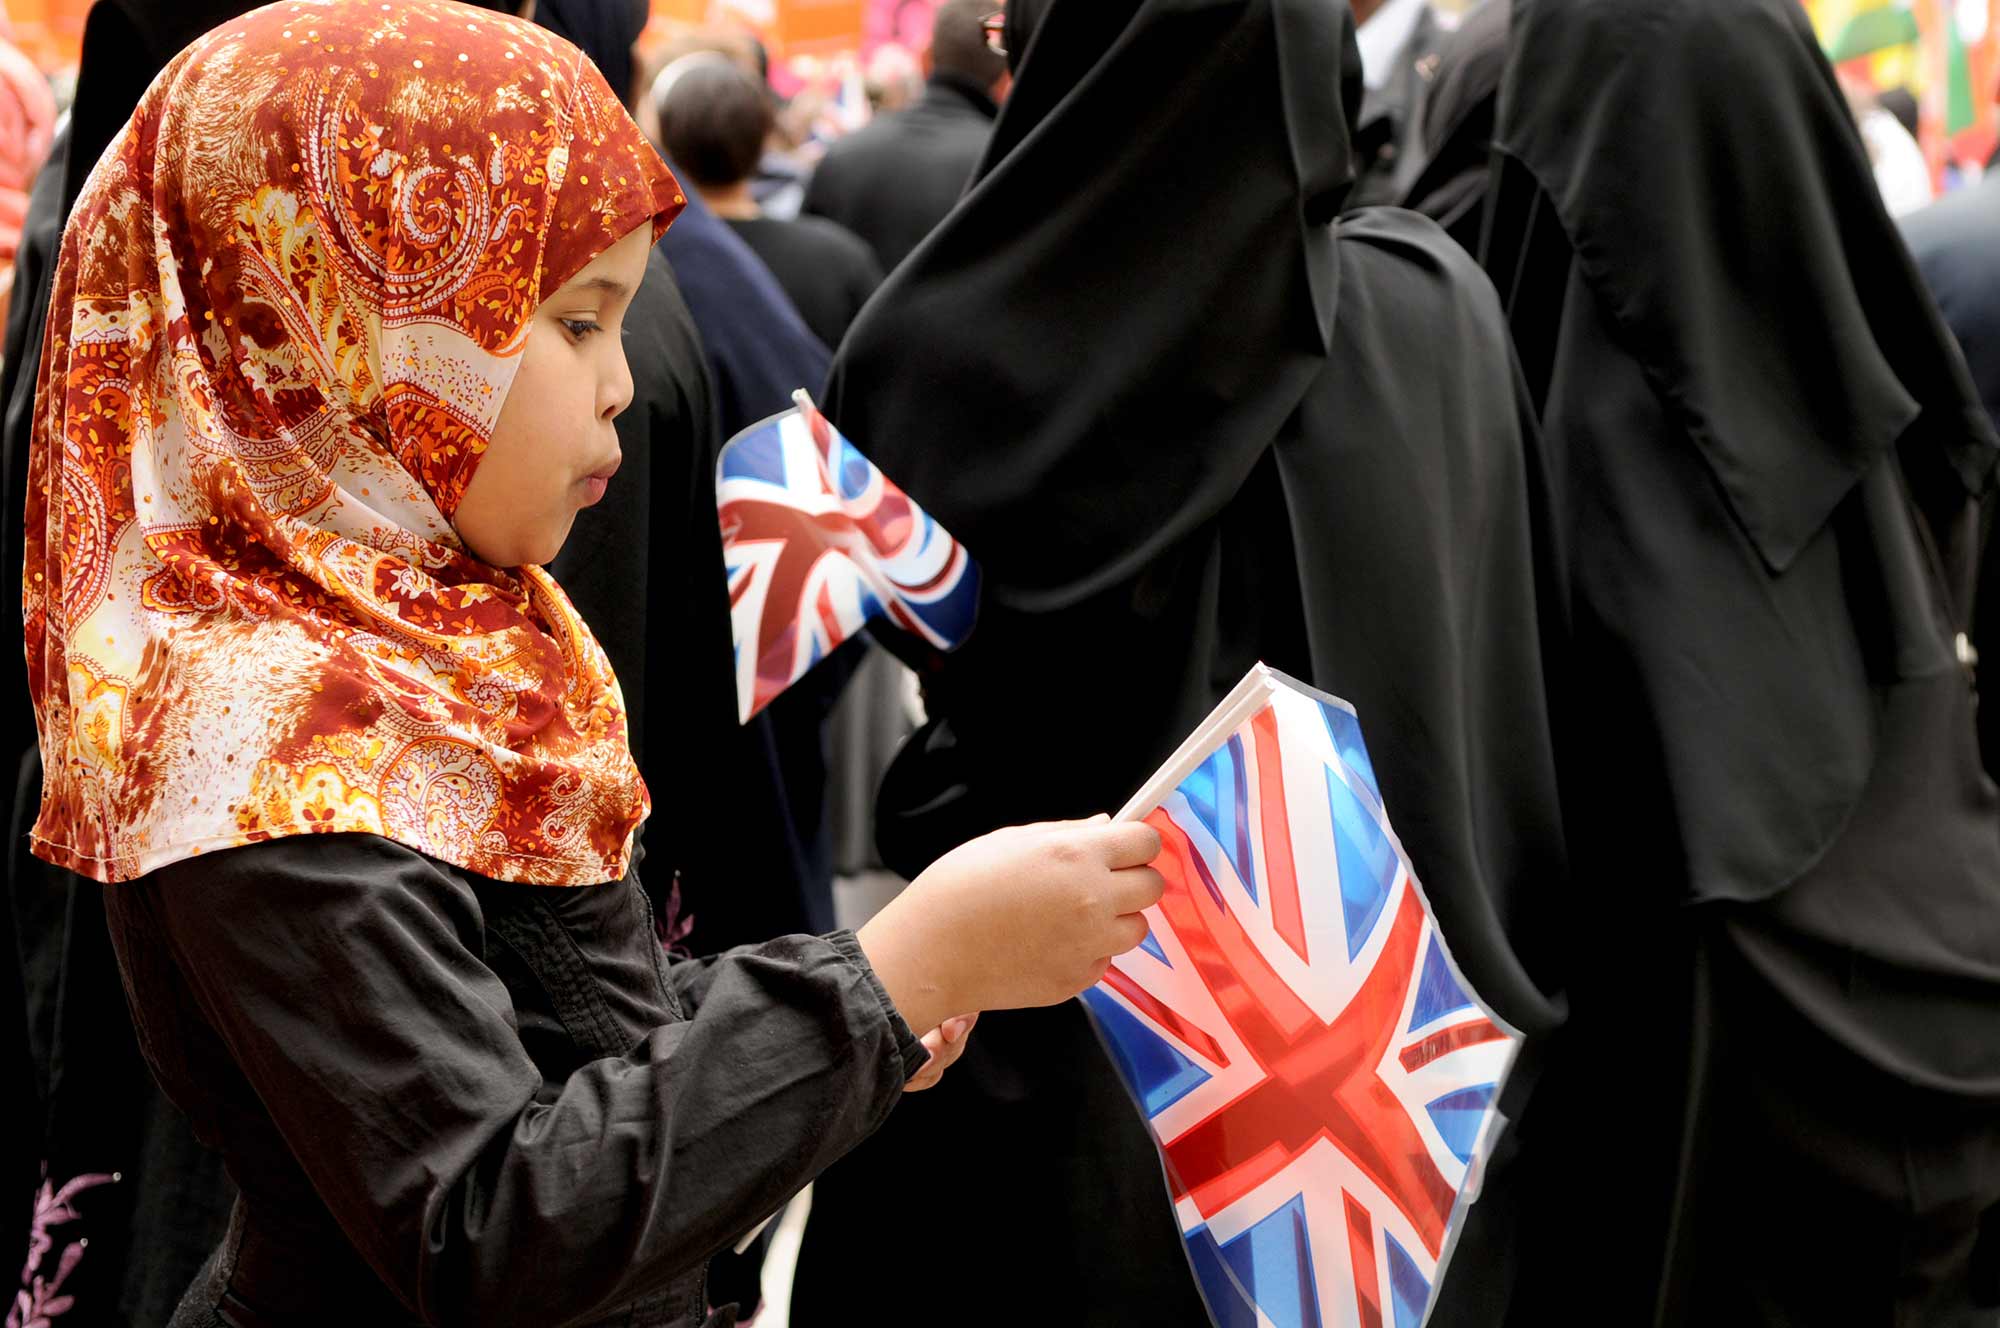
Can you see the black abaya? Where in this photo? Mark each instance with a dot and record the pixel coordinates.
(1187, 419)
(758, 353)
(1763, 453)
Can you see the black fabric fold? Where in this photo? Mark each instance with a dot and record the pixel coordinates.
(1151, 391)
(1721, 205)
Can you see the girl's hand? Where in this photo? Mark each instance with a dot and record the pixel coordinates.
(1022, 917)
(945, 1043)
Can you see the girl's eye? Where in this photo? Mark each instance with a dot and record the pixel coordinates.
(579, 328)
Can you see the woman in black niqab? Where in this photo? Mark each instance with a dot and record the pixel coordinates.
(1186, 415)
(1764, 453)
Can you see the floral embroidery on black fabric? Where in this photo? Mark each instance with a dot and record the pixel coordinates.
(40, 1301)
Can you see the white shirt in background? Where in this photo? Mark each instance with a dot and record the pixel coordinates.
(1901, 172)
(1383, 37)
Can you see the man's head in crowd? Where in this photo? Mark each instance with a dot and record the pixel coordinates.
(714, 118)
(959, 47)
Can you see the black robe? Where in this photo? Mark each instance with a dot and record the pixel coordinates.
(644, 568)
(1777, 1096)
(454, 1100)
(771, 780)
(738, 811)
(1186, 418)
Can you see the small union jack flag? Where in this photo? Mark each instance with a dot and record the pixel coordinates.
(817, 542)
(1317, 1074)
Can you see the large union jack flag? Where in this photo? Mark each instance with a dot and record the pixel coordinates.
(1316, 1072)
(817, 542)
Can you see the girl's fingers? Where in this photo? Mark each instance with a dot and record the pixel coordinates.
(929, 1073)
(1133, 844)
(1136, 888)
(945, 1043)
(1132, 931)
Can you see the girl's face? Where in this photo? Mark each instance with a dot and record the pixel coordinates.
(553, 449)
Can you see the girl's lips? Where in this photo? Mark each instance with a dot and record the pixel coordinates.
(599, 480)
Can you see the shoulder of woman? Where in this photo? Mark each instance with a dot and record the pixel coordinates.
(1400, 269)
(1408, 237)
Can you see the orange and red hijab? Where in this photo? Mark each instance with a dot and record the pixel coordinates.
(288, 308)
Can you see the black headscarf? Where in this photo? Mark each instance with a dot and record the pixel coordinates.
(1692, 165)
(1170, 351)
(1458, 124)
(604, 30)
(1720, 203)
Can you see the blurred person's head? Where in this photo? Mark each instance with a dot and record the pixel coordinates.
(1901, 103)
(959, 47)
(714, 119)
(733, 46)
(894, 79)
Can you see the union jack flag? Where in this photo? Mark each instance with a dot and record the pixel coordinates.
(1316, 1072)
(816, 542)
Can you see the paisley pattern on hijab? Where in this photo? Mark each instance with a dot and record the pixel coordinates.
(287, 311)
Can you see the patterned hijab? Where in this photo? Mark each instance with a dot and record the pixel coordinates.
(288, 308)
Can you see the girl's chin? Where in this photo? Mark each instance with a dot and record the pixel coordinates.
(538, 551)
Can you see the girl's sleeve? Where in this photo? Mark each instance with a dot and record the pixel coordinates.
(345, 974)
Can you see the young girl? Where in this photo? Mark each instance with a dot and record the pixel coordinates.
(333, 360)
